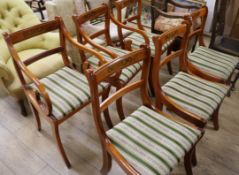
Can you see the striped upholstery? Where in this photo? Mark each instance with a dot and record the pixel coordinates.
(127, 73)
(68, 90)
(214, 62)
(197, 95)
(138, 40)
(151, 143)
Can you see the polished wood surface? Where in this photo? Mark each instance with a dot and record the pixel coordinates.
(38, 97)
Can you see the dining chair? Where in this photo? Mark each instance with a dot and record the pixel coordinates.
(135, 40)
(207, 62)
(59, 95)
(147, 141)
(194, 98)
(109, 50)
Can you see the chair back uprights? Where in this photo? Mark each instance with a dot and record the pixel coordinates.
(198, 17)
(39, 97)
(136, 16)
(159, 60)
(111, 70)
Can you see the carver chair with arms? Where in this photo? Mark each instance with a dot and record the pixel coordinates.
(16, 15)
(59, 95)
(147, 141)
(109, 51)
(207, 62)
(194, 98)
(169, 14)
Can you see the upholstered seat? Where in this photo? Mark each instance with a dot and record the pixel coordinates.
(214, 62)
(138, 40)
(151, 143)
(127, 73)
(198, 96)
(68, 90)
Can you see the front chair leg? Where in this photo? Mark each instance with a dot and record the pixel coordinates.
(107, 163)
(215, 119)
(36, 114)
(23, 107)
(188, 162)
(55, 129)
(194, 158)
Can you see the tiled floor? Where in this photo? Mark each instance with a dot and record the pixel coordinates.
(25, 151)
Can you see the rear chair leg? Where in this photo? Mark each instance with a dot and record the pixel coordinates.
(55, 129)
(215, 119)
(23, 107)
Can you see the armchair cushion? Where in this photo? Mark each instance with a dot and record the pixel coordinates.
(49, 65)
(197, 95)
(151, 143)
(215, 63)
(127, 73)
(68, 90)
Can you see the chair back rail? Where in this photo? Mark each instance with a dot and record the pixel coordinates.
(110, 70)
(159, 61)
(21, 66)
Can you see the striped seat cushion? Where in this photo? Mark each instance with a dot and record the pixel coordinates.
(214, 62)
(196, 95)
(151, 143)
(139, 40)
(127, 73)
(68, 90)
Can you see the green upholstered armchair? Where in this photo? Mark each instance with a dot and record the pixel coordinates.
(16, 15)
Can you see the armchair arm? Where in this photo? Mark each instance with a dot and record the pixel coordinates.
(140, 32)
(82, 47)
(5, 73)
(167, 15)
(50, 40)
(183, 5)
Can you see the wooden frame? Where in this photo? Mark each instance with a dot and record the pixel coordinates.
(126, 43)
(162, 98)
(84, 38)
(198, 33)
(38, 97)
(111, 69)
(156, 11)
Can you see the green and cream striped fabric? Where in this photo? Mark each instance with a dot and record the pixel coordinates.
(68, 90)
(196, 95)
(214, 62)
(138, 40)
(127, 73)
(151, 143)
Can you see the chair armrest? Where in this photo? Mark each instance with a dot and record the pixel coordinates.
(140, 32)
(183, 5)
(5, 74)
(165, 14)
(82, 47)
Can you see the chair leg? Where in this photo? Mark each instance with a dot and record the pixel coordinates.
(169, 66)
(36, 114)
(194, 158)
(23, 107)
(119, 107)
(106, 112)
(150, 80)
(188, 162)
(107, 163)
(234, 81)
(55, 129)
(215, 119)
